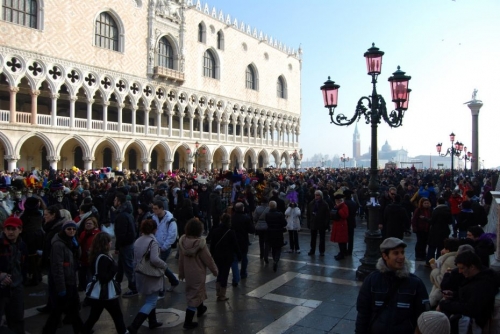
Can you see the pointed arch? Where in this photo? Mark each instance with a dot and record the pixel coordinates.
(48, 143)
(113, 144)
(166, 148)
(142, 147)
(9, 149)
(252, 77)
(83, 143)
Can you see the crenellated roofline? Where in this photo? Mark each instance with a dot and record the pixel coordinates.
(244, 28)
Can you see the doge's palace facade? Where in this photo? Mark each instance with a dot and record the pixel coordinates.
(137, 84)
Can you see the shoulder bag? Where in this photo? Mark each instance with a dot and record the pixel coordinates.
(95, 290)
(144, 267)
(261, 224)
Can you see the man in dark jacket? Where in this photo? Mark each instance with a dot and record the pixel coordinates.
(124, 244)
(242, 225)
(215, 206)
(440, 220)
(480, 215)
(203, 204)
(476, 296)
(351, 219)
(395, 219)
(391, 298)
(280, 204)
(318, 216)
(276, 224)
(13, 252)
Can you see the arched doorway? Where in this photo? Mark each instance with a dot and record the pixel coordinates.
(78, 157)
(107, 156)
(175, 164)
(132, 159)
(45, 163)
(154, 160)
(261, 161)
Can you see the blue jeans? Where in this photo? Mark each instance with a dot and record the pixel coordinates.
(125, 266)
(149, 303)
(237, 274)
(171, 277)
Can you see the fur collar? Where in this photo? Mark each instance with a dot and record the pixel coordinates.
(405, 272)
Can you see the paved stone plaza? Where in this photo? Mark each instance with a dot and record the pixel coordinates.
(307, 295)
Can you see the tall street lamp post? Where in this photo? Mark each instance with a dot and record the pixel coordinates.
(467, 157)
(454, 151)
(373, 113)
(344, 159)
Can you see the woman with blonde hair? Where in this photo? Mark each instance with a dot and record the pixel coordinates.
(194, 259)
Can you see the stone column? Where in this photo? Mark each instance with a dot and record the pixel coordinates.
(181, 125)
(145, 164)
(53, 161)
(34, 106)
(225, 165)
(158, 120)
(120, 116)
(287, 164)
(54, 98)
(119, 163)
(72, 101)
(235, 123)
(134, 114)
(13, 113)
(105, 106)
(210, 120)
(218, 129)
(191, 121)
(87, 161)
(190, 162)
(170, 120)
(474, 107)
(146, 121)
(267, 135)
(261, 135)
(168, 165)
(11, 161)
(89, 113)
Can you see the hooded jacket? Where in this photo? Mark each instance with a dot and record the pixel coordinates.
(194, 259)
(400, 314)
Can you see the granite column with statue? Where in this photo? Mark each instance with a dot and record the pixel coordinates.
(474, 106)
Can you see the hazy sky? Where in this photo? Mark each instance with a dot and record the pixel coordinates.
(448, 47)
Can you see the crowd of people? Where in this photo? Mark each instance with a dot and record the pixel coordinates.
(60, 222)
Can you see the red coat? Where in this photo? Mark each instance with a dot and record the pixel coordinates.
(455, 201)
(85, 240)
(340, 231)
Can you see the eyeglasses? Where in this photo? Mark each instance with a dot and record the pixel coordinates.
(392, 194)
(71, 229)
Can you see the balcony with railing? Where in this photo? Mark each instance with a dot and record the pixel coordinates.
(167, 73)
(63, 122)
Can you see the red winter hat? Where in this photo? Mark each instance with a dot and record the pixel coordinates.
(13, 221)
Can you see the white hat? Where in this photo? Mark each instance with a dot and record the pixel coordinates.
(218, 187)
(433, 322)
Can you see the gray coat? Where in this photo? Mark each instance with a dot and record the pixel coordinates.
(146, 284)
